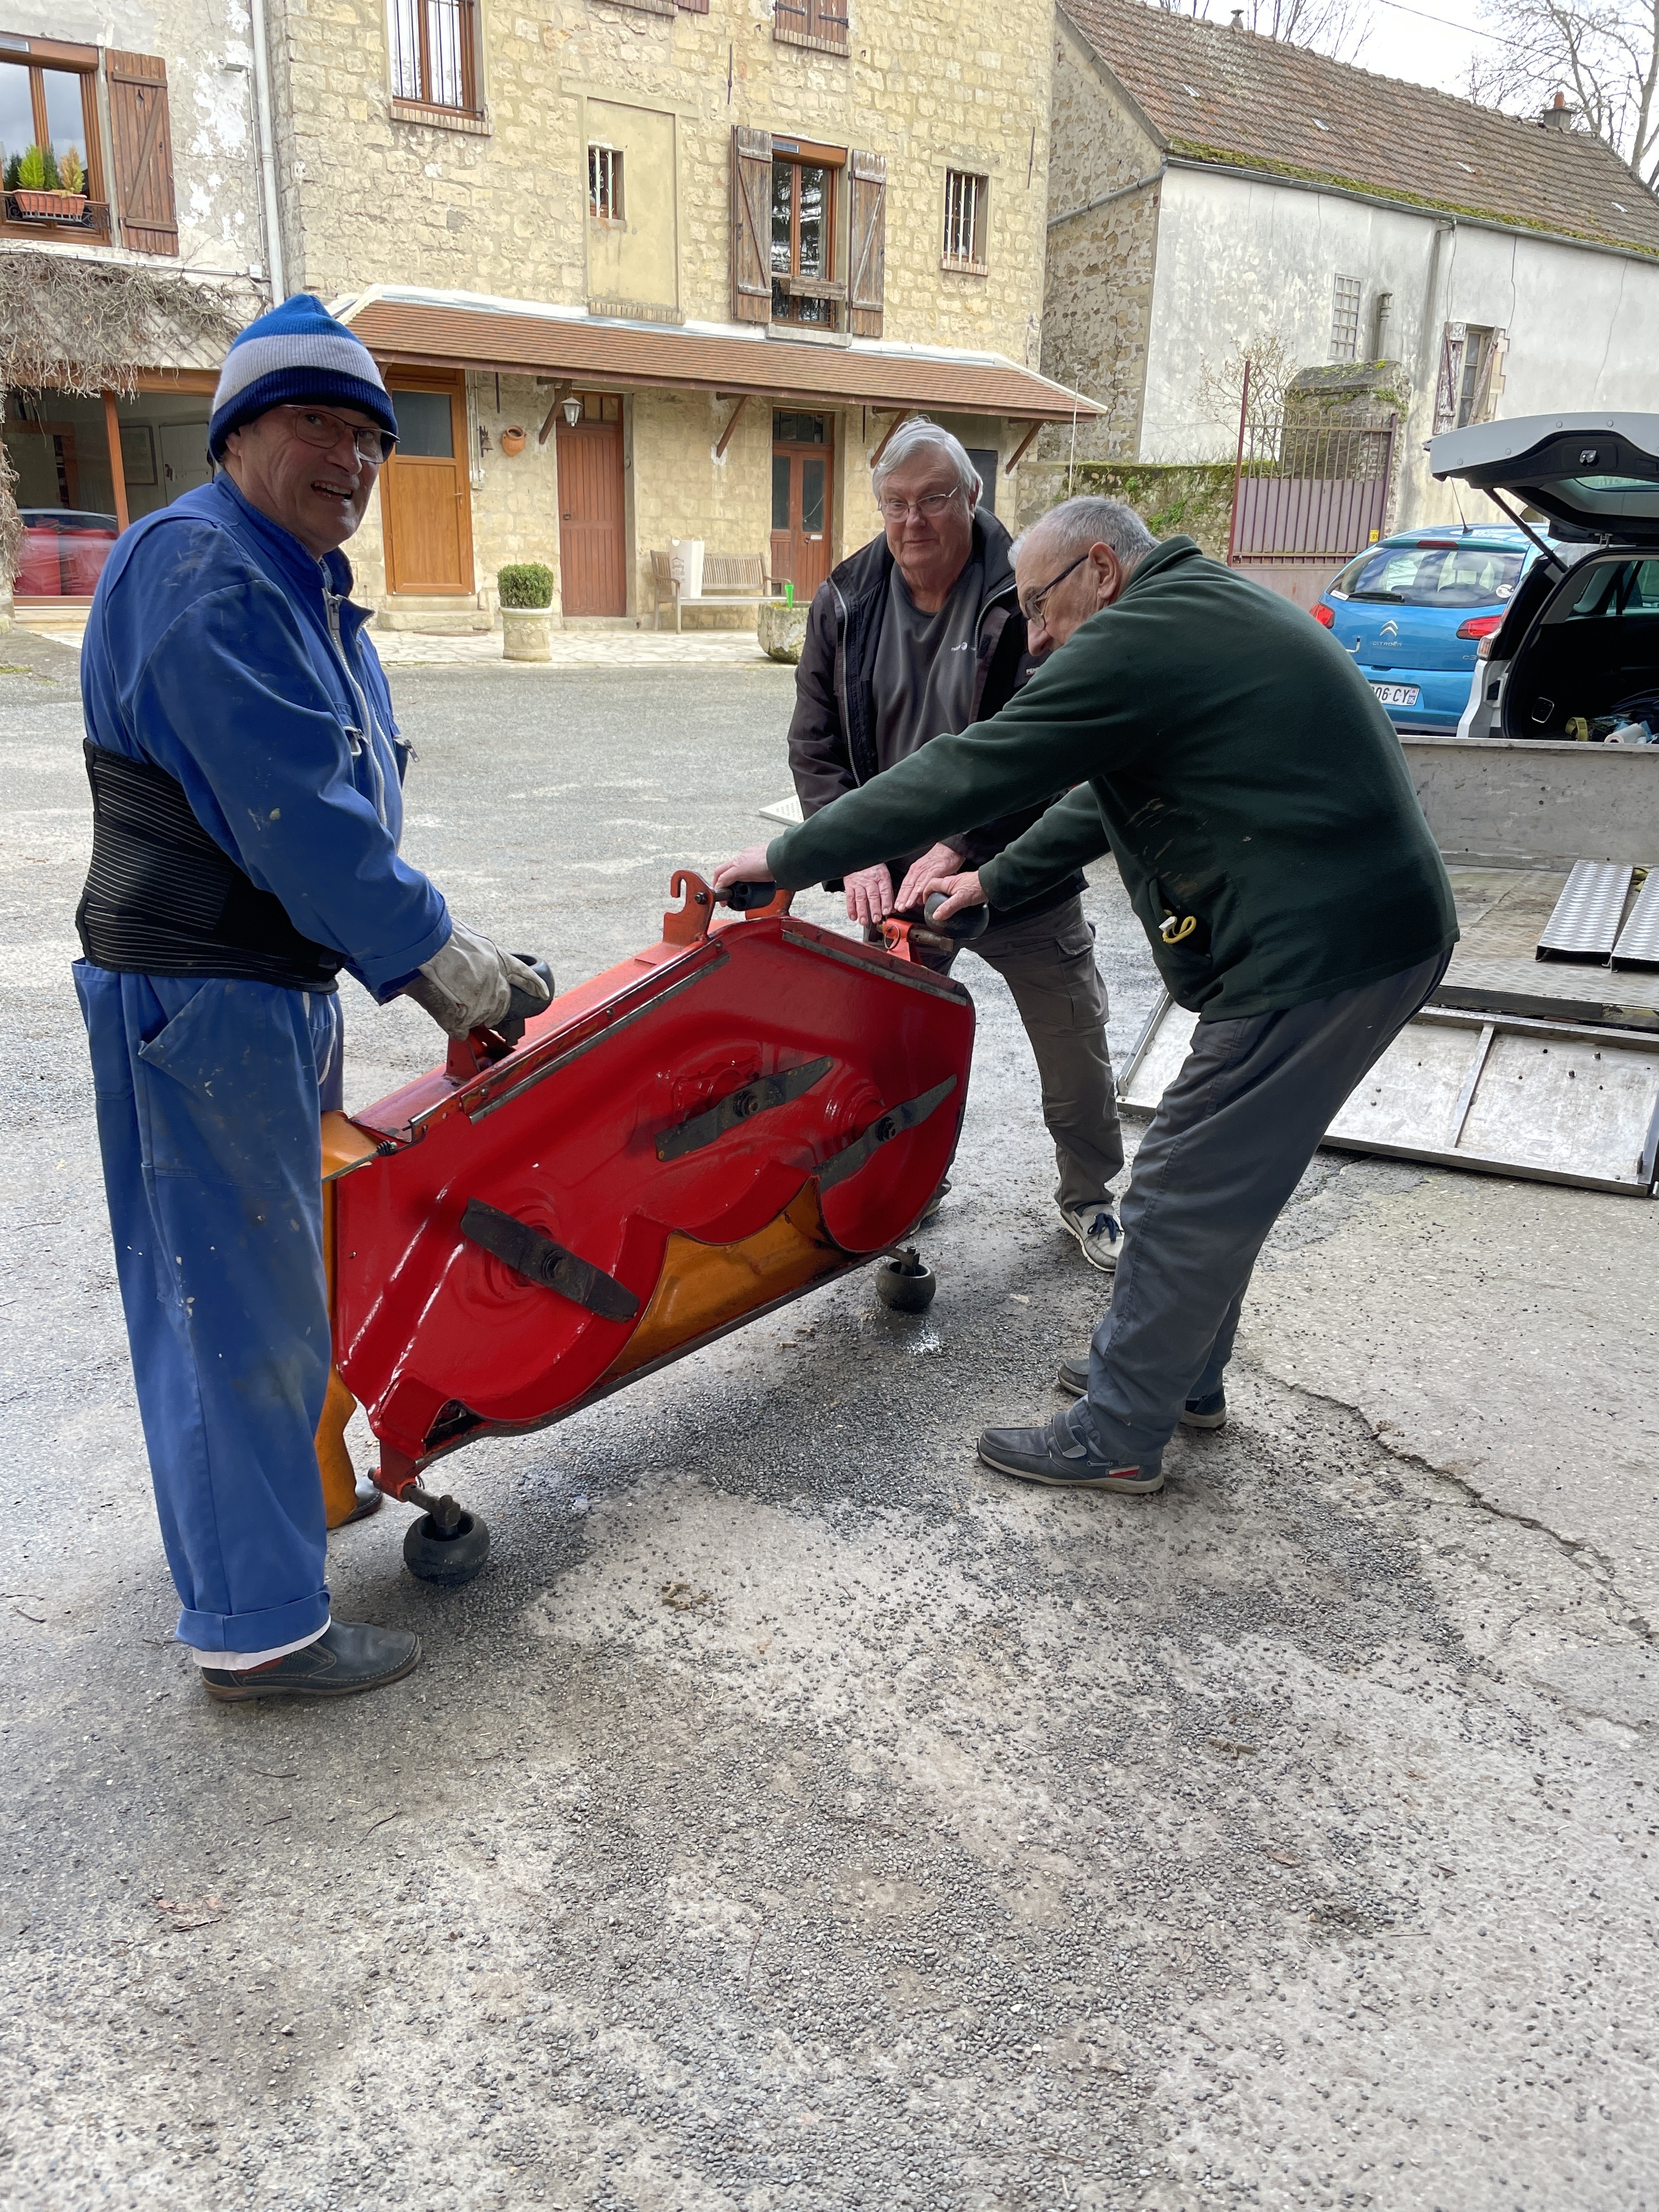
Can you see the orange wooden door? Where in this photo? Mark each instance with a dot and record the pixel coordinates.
(425, 497)
(592, 555)
(803, 457)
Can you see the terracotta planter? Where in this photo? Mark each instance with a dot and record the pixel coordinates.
(526, 633)
(61, 206)
(512, 443)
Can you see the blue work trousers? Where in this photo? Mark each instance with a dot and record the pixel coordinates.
(209, 1098)
(1230, 1140)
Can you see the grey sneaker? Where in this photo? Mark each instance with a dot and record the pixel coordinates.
(346, 1658)
(1054, 1455)
(1098, 1231)
(1206, 1413)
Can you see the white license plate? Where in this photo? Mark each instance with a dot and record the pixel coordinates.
(1396, 695)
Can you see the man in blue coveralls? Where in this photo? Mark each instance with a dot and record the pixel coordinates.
(247, 775)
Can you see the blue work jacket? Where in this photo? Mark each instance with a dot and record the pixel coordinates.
(219, 650)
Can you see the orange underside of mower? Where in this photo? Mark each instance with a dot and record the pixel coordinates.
(734, 1115)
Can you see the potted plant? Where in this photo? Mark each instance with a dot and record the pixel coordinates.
(525, 589)
(41, 189)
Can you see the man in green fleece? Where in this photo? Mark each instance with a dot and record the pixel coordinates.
(1232, 759)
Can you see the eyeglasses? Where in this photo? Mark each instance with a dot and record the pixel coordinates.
(1033, 609)
(930, 505)
(315, 426)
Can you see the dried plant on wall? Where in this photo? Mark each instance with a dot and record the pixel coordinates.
(89, 326)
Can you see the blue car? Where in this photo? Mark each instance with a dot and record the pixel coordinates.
(1413, 609)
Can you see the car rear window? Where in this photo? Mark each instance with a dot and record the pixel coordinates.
(1432, 575)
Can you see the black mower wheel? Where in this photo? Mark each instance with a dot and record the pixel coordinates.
(906, 1284)
(451, 1560)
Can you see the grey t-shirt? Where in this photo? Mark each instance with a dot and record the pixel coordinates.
(924, 672)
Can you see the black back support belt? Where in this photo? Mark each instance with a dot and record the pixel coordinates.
(162, 899)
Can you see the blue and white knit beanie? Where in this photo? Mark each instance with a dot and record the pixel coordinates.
(298, 351)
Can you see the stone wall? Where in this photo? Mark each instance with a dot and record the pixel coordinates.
(1098, 294)
(372, 197)
(1172, 502)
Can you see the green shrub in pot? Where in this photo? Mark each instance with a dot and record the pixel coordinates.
(526, 583)
(37, 171)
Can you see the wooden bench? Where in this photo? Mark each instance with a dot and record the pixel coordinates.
(729, 580)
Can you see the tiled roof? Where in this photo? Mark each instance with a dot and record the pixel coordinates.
(1216, 94)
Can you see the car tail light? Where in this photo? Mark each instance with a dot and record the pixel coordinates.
(1480, 625)
(1322, 613)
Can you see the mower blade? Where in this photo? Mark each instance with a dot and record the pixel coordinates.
(533, 1254)
(882, 1132)
(759, 1097)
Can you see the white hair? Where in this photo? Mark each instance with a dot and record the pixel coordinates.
(1077, 524)
(916, 435)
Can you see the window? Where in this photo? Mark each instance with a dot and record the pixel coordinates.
(820, 23)
(49, 150)
(604, 184)
(803, 257)
(1616, 588)
(964, 220)
(434, 54)
(1477, 370)
(1345, 318)
(1448, 576)
(597, 407)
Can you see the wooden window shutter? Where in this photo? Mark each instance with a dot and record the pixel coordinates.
(1450, 385)
(867, 264)
(692, 7)
(141, 152)
(752, 225)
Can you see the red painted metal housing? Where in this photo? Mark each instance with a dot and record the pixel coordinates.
(603, 1132)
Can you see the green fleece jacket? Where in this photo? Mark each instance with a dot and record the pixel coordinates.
(1228, 753)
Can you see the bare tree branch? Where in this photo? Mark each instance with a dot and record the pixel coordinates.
(1337, 27)
(1603, 54)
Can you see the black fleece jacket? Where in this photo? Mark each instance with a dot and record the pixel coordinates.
(832, 736)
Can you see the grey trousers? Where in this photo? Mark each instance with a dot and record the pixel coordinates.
(1048, 964)
(1226, 1148)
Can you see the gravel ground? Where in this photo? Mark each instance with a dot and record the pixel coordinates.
(795, 1815)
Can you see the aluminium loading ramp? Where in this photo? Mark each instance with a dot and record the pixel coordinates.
(1546, 1069)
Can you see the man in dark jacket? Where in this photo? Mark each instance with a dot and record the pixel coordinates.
(918, 635)
(1236, 763)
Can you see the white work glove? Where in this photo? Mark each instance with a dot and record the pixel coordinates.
(467, 983)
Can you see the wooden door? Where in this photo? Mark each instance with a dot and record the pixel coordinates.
(592, 552)
(425, 497)
(803, 458)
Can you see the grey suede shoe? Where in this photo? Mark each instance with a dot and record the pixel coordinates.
(347, 1658)
(1054, 1455)
(1206, 1413)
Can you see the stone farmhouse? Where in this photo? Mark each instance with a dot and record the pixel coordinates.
(641, 271)
(637, 271)
(1211, 191)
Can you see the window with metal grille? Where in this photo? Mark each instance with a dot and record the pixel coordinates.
(1345, 318)
(49, 148)
(604, 183)
(435, 54)
(964, 219)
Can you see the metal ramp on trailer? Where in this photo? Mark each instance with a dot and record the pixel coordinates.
(1522, 1064)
